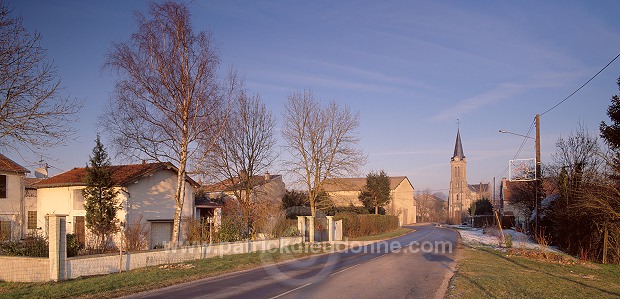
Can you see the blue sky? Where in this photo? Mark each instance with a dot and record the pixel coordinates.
(410, 68)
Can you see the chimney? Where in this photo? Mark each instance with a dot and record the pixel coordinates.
(267, 176)
(143, 161)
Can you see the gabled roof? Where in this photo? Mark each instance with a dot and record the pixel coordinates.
(458, 147)
(477, 188)
(9, 165)
(234, 184)
(355, 184)
(121, 175)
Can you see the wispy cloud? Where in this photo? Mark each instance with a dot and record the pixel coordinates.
(503, 92)
(497, 94)
(406, 153)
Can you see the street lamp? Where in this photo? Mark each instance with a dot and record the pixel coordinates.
(506, 132)
(538, 171)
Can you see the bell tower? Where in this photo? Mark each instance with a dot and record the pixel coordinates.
(457, 199)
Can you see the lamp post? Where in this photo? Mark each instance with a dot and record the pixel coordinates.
(538, 168)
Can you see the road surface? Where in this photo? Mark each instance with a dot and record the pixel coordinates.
(416, 265)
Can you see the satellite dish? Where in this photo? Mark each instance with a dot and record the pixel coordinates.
(40, 173)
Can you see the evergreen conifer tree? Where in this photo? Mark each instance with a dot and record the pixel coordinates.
(100, 200)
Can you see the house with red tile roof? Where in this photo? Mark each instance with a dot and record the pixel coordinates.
(146, 195)
(345, 191)
(13, 215)
(266, 187)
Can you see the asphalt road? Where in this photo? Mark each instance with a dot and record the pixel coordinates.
(416, 265)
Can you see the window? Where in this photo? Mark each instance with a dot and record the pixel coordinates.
(5, 230)
(78, 199)
(32, 219)
(79, 229)
(3, 186)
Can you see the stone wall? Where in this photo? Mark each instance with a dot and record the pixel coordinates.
(24, 269)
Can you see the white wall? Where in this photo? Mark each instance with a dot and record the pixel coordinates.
(151, 196)
(10, 207)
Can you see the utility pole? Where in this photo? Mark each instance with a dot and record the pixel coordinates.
(538, 173)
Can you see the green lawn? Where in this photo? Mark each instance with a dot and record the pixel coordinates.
(117, 284)
(488, 273)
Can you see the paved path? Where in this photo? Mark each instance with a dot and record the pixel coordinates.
(416, 265)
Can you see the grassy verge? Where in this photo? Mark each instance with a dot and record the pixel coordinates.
(488, 273)
(388, 235)
(117, 284)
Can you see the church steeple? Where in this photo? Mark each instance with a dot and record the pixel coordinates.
(458, 198)
(458, 147)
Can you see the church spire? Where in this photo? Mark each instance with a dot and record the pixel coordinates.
(458, 147)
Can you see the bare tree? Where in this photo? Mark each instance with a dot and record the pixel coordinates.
(322, 141)
(169, 102)
(244, 150)
(32, 112)
(429, 206)
(425, 205)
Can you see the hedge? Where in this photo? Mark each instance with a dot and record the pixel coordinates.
(356, 225)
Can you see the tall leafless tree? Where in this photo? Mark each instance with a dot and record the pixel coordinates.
(245, 149)
(168, 101)
(322, 141)
(429, 207)
(33, 114)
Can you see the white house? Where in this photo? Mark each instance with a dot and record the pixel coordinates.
(146, 194)
(13, 214)
(345, 192)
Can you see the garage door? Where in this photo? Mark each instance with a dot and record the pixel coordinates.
(161, 233)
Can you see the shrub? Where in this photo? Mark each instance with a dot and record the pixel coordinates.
(285, 228)
(356, 225)
(197, 231)
(73, 245)
(508, 241)
(350, 224)
(135, 235)
(231, 230)
(35, 246)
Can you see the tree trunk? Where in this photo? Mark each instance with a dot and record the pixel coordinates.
(179, 198)
(605, 245)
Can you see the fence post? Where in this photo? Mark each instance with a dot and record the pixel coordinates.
(330, 226)
(57, 246)
(301, 226)
(311, 227)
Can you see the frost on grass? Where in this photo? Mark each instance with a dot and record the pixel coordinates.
(493, 237)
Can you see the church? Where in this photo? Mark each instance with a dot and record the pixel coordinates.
(461, 194)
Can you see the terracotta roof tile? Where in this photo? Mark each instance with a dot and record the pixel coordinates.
(7, 164)
(121, 175)
(229, 185)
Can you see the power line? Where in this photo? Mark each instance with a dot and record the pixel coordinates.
(584, 84)
(527, 136)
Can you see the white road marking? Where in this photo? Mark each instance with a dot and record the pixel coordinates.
(374, 258)
(345, 269)
(293, 290)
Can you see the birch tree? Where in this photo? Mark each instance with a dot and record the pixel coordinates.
(322, 141)
(33, 114)
(168, 100)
